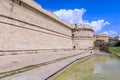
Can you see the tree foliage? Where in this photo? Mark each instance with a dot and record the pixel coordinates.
(117, 44)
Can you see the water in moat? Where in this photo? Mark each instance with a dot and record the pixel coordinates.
(101, 66)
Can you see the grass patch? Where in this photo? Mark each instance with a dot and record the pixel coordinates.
(115, 50)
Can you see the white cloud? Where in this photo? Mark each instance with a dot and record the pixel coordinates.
(98, 25)
(76, 16)
(111, 33)
(71, 16)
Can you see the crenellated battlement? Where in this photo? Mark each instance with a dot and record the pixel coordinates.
(82, 27)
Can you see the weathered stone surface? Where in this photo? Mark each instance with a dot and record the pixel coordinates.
(24, 28)
(24, 25)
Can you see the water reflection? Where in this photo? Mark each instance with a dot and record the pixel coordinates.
(99, 61)
(99, 67)
(106, 67)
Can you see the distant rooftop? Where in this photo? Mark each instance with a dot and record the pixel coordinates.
(100, 35)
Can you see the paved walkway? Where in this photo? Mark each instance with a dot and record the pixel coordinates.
(11, 62)
(17, 61)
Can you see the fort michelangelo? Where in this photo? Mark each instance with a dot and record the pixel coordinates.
(24, 25)
(30, 35)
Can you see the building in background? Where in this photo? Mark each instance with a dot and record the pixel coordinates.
(101, 40)
(103, 37)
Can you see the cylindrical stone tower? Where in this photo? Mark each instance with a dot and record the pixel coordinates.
(82, 36)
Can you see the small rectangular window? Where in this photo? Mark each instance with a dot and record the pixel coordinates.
(73, 35)
(74, 47)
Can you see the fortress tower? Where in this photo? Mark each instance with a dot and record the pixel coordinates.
(82, 36)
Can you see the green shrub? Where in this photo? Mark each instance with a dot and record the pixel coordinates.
(117, 44)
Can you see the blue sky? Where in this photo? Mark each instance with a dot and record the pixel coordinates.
(103, 15)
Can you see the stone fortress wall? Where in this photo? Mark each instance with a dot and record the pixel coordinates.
(24, 25)
(26, 28)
